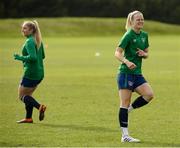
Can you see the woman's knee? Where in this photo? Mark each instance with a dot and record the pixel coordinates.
(149, 96)
(125, 98)
(125, 103)
(22, 92)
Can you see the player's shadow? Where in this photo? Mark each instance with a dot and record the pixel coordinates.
(159, 144)
(78, 127)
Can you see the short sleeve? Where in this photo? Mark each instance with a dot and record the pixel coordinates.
(147, 41)
(124, 41)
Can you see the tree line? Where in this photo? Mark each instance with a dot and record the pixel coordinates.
(160, 10)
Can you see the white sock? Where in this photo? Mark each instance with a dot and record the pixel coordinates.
(124, 131)
(130, 108)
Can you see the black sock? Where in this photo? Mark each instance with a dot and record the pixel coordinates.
(30, 100)
(139, 102)
(123, 117)
(29, 111)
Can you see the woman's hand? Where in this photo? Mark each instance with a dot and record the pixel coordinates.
(17, 57)
(141, 53)
(130, 65)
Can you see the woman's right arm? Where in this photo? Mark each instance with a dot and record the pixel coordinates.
(120, 56)
(31, 50)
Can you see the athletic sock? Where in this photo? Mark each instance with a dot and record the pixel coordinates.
(130, 108)
(123, 120)
(123, 117)
(30, 100)
(124, 131)
(29, 111)
(139, 102)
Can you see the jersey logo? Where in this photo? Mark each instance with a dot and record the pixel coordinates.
(143, 40)
(134, 40)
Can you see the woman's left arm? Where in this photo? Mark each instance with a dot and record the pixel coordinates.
(142, 53)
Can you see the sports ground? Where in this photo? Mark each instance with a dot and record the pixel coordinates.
(80, 89)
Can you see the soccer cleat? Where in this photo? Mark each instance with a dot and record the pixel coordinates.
(26, 120)
(128, 138)
(42, 109)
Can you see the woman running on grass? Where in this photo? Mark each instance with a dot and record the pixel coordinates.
(32, 59)
(132, 48)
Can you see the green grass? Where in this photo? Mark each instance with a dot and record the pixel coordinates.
(81, 94)
(68, 27)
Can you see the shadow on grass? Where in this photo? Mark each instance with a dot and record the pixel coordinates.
(160, 144)
(78, 127)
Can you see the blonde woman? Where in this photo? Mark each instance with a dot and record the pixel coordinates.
(132, 48)
(32, 59)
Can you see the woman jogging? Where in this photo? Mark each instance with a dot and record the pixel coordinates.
(32, 59)
(132, 48)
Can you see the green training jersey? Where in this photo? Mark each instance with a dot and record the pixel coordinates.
(130, 42)
(32, 59)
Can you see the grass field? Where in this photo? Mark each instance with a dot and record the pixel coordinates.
(81, 94)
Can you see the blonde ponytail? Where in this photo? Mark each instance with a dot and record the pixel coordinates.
(37, 34)
(128, 22)
(130, 19)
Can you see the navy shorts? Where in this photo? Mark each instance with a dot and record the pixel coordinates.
(130, 81)
(29, 83)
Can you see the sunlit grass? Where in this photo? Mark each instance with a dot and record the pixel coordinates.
(80, 92)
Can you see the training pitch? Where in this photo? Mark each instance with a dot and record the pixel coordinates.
(81, 95)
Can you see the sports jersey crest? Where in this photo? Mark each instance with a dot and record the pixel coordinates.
(134, 40)
(143, 40)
